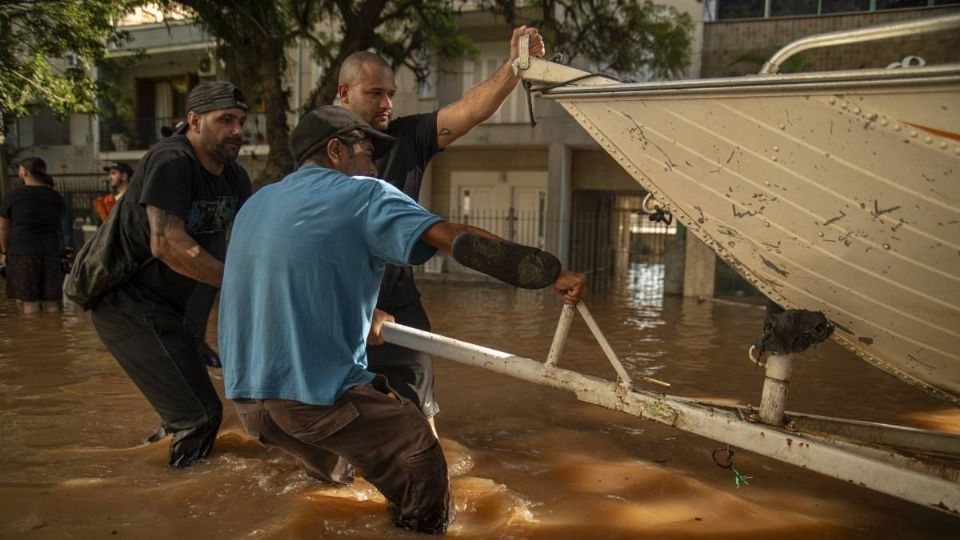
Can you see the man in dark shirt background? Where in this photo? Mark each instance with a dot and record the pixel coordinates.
(366, 87)
(30, 240)
(184, 195)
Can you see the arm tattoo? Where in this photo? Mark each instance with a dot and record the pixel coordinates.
(160, 221)
(444, 132)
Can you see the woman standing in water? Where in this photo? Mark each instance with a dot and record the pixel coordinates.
(30, 240)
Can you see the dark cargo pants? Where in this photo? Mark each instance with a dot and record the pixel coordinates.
(160, 355)
(386, 438)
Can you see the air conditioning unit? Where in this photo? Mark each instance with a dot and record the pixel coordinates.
(207, 66)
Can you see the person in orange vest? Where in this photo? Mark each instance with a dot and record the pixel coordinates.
(118, 174)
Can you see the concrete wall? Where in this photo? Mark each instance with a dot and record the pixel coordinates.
(725, 41)
(596, 169)
(493, 160)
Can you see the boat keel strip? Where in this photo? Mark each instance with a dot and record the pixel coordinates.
(881, 469)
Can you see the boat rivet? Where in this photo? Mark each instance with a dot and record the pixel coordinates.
(766, 223)
(843, 106)
(942, 145)
(782, 127)
(913, 133)
(928, 140)
(768, 182)
(956, 150)
(820, 234)
(873, 116)
(776, 148)
(773, 158)
(833, 100)
(896, 127)
(856, 110)
(886, 246)
(883, 121)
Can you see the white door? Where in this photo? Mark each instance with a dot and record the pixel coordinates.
(478, 208)
(529, 206)
(510, 204)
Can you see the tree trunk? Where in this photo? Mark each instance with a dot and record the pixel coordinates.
(259, 74)
(275, 105)
(357, 37)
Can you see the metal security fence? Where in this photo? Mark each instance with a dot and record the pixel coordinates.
(610, 231)
(611, 239)
(521, 226)
(79, 191)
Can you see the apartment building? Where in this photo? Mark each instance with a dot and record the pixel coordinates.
(548, 185)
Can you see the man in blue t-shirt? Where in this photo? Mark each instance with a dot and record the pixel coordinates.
(297, 311)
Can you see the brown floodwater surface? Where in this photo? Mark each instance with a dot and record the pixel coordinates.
(526, 461)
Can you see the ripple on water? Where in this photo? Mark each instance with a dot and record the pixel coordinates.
(525, 461)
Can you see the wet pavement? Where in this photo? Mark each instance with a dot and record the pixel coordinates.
(526, 461)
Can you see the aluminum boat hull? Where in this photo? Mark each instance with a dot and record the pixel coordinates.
(836, 192)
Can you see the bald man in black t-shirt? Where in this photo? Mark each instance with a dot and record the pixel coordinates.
(366, 87)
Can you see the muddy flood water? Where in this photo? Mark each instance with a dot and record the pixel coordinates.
(525, 461)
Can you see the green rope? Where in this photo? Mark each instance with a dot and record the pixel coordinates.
(740, 479)
(727, 463)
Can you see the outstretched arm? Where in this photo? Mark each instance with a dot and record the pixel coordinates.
(521, 266)
(483, 100)
(170, 242)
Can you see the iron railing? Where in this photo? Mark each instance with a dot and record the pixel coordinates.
(79, 191)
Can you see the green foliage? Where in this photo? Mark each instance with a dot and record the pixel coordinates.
(755, 60)
(416, 34)
(35, 37)
(256, 36)
(622, 36)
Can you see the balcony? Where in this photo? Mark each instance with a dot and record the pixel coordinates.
(119, 135)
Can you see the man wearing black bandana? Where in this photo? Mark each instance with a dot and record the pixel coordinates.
(184, 195)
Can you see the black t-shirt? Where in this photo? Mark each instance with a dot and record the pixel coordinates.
(34, 213)
(403, 168)
(171, 178)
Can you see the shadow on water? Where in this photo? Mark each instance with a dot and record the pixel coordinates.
(526, 461)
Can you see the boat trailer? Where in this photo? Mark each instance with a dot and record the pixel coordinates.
(913, 464)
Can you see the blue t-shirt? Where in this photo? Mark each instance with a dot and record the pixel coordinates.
(301, 278)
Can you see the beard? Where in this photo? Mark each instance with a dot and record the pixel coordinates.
(227, 150)
(380, 123)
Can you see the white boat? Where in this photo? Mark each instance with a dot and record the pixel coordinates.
(836, 192)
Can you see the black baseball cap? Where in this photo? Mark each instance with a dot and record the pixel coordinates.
(318, 126)
(214, 95)
(120, 166)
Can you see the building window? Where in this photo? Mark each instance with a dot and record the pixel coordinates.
(844, 6)
(754, 9)
(786, 8)
(48, 130)
(899, 4)
(740, 9)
